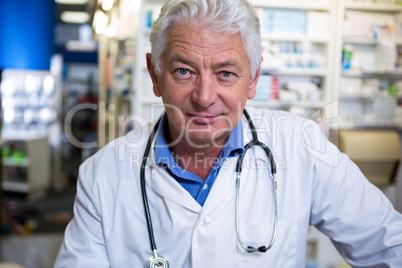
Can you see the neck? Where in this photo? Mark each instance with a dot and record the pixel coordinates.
(198, 160)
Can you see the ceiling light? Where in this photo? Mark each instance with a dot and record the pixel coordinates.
(100, 21)
(83, 46)
(107, 4)
(74, 17)
(72, 2)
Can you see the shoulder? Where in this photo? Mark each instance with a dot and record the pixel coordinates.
(291, 134)
(286, 124)
(115, 157)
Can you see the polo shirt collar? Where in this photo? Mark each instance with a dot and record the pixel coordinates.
(234, 144)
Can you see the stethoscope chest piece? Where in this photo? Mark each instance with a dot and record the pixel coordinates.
(158, 262)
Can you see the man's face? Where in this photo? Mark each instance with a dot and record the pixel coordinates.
(205, 82)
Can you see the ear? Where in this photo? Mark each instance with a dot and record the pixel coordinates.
(253, 85)
(152, 74)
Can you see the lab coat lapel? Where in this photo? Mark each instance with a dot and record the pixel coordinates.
(166, 186)
(223, 186)
(169, 188)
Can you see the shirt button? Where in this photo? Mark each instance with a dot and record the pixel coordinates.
(205, 221)
(205, 186)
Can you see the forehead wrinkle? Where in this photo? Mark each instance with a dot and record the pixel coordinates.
(198, 40)
(182, 45)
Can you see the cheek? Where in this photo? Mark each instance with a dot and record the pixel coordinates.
(174, 92)
(236, 95)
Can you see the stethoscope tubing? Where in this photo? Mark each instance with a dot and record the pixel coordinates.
(255, 142)
(144, 190)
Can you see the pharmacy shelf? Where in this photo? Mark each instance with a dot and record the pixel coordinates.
(361, 74)
(36, 163)
(360, 40)
(365, 41)
(292, 5)
(10, 135)
(366, 126)
(302, 72)
(373, 7)
(294, 38)
(18, 187)
(9, 162)
(294, 71)
(363, 97)
(276, 104)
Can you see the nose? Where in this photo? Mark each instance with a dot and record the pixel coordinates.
(205, 91)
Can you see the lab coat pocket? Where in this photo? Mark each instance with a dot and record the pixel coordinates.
(283, 252)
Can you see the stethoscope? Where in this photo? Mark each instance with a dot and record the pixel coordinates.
(161, 262)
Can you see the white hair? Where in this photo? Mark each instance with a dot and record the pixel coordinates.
(235, 16)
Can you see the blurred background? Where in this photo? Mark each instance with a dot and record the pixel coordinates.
(73, 71)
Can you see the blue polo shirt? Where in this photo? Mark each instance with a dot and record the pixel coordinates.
(196, 186)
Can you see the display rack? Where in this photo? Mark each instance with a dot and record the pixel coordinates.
(145, 103)
(369, 76)
(302, 53)
(117, 65)
(26, 166)
(31, 107)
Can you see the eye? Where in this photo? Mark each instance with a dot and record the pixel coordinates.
(182, 72)
(226, 75)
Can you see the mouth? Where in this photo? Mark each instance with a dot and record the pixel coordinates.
(203, 118)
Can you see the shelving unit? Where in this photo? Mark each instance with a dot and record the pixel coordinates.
(302, 55)
(376, 7)
(26, 166)
(31, 107)
(145, 103)
(302, 5)
(117, 68)
(373, 67)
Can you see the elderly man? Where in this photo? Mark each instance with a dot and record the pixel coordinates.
(185, 201)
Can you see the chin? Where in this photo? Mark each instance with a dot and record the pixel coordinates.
(207, 134)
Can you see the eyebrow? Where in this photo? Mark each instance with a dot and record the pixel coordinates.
(178, 58)
(228, 63)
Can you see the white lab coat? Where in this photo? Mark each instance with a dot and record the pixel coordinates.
(316, 185)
